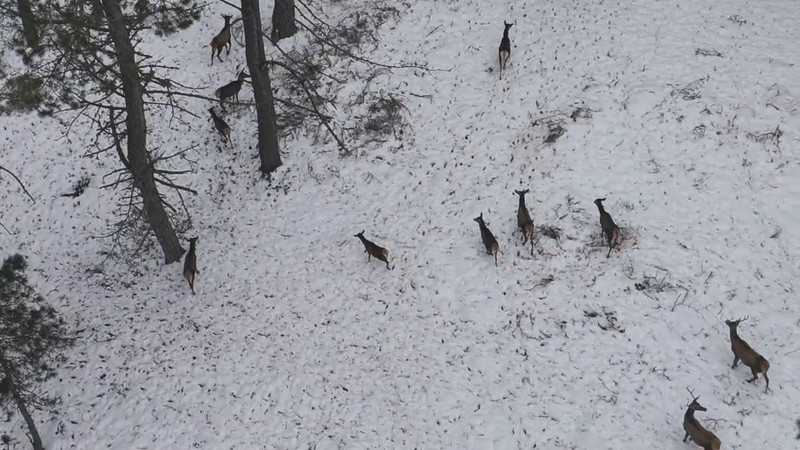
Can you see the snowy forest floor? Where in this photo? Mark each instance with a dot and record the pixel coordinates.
(295, 341)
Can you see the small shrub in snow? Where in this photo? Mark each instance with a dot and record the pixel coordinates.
(386, 116)
(78, 188)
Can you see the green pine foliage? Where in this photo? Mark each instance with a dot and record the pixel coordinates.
(167, 16)
(32, 337)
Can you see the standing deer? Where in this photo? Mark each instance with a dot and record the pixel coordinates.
(222, 39)
(524, 221)
(492, 248)
(231, 89)
(695, 431)
(373, 249)
(221, 126)
(190, 264)
(505, 48)
(610, 229)
(742, 351)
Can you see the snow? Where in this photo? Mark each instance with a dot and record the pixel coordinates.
(294, 340)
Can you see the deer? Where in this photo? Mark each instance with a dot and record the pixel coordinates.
(231, 90)
(742, 351)
(505, 48)
(695, 431)
(222, 39)
(373, 249)
(524, 221)
(190, 264)
(610, 229)
(492, 248)
(221, 126)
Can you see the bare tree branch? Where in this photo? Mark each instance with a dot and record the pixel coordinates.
(323, 118)
(19, 182)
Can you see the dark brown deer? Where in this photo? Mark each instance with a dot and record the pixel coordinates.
(610, 229)
(231, 90)
(742, 351)
(524, 221)
(695, 431)
(373, 249)
(492, 248)
(222, 40)
(221, 126)
(505, 48)
(190, 264)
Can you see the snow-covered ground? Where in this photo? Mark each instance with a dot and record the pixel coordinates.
(295, 341)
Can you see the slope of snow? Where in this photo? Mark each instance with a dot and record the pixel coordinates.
(294, 340)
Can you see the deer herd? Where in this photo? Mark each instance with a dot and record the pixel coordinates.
(222, 40)
(742, 351)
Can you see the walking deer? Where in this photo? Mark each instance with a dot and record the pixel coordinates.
(492, 248)
(505, 48)
(231, 90)
(221, 126)
(373, 249)
(222, 40)
(742, 351)
(524, 221)
(698, 434)
(610, 229)
(190, 264)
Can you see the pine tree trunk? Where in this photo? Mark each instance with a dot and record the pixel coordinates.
(36, 440)
(29, 29)
(283, 24)
(141, 169)
(268, 149)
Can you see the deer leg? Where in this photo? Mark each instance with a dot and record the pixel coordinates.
(387, 265)
(212, 56)
(754, 371)
(766, 378)
(500, 61)
(735, 361)
(685, 437)
(616, 238)
(610, 247)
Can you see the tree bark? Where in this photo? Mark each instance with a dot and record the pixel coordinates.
(283, 24)
(36, 440)
(141, 168)
(29, 29)
(268, 149)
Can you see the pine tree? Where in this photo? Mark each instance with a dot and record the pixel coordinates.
(32, 339)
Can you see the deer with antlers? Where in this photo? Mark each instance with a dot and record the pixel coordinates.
(698, 434)
(742, 351)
